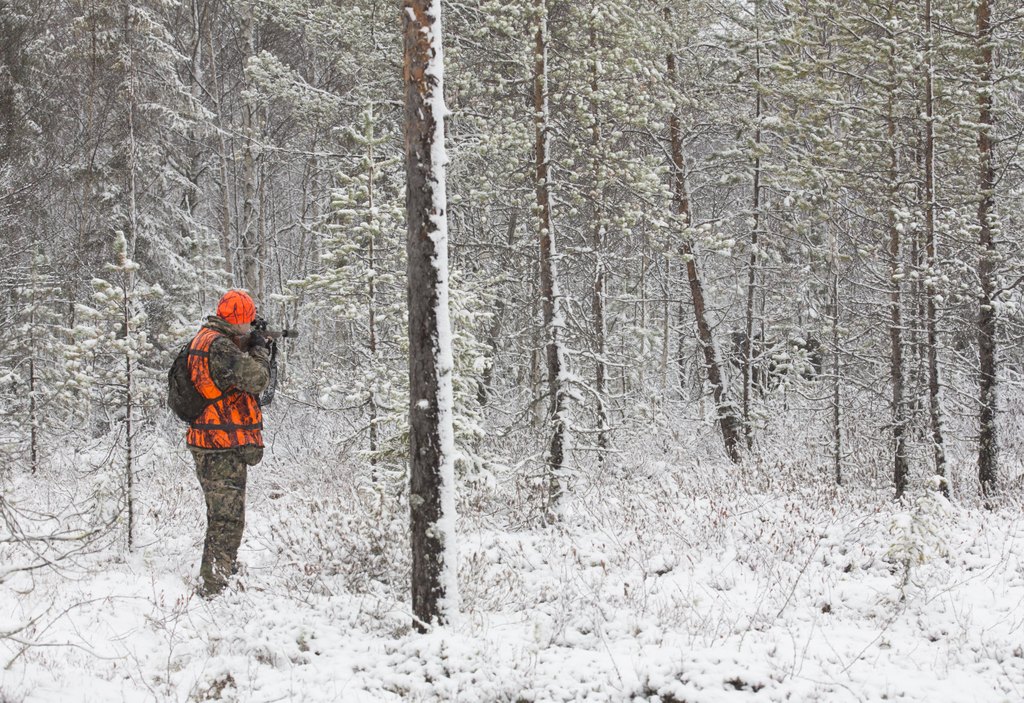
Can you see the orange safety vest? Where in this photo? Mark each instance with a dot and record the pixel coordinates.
(233, 418)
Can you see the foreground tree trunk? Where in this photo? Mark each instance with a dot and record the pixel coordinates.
(371, 294)
(837, 427)
(727, 420)
(896, 377)
(988, 445)
(127, 282)
(431, 436)
(934, 396)
(549, 290)
(748, 337)
(597, 304)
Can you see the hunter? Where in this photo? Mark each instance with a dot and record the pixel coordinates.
(229, 365)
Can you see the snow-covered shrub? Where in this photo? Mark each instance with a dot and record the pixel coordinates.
(333, 543)
(918, 533)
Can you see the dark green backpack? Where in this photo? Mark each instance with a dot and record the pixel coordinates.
(182, 396)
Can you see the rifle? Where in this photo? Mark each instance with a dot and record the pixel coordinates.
(261, 327)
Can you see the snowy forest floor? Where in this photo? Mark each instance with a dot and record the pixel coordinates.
(663, 583)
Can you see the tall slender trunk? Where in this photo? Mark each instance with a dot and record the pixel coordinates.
(727, 420)
(898, 409)
(934, 388)
(600, 332)
(223, 157)
(537, 350)
(371, 297)
(261, 243)
(194, 150)
(249, 234)
(129, 406)
(431, 435)
(837, 428)
(129, 275)
(666, 328)
(484, 389)
(642, 317)
(988, 444)
(550, 295)
(915, 345)
(33, 409)
(748, 346)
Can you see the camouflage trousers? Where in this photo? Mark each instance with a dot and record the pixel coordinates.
(222, 474)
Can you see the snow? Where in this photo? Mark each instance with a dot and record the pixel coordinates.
(667, 584)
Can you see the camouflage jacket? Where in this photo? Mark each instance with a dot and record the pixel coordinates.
(230, 367)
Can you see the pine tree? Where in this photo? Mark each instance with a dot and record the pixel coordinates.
(726, 417)
(431, 437)
(363, 286)
(550, 289)
(109, 363)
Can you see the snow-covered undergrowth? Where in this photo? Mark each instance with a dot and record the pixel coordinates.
(665, 582)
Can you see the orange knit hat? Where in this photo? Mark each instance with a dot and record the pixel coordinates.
(236, 307)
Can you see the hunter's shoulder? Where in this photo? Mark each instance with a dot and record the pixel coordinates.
(222, 327)
(223, 349)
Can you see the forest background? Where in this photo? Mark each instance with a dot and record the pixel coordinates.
(786, 238)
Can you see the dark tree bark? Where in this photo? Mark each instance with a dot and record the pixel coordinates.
(727, 420)
(988, 445)
(934, 388)
(837, 427)
(484, 390)
(748, 347)
(249, 240)
(597, 303)
(550, 296)
(896, 377)
(216, 90)
(371, 304)
(127, 282)
(431, 471)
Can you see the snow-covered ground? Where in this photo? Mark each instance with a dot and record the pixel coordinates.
(664, 583)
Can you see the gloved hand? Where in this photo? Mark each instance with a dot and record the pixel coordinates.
(258, 341)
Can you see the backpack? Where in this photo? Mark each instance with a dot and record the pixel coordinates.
(182, 396)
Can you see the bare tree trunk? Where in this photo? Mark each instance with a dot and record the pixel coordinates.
(260, 254)
(195, 149)
(431, 435)
(537, 349)
(33, 409)
(129, 404)
(128, 275)
(666, 327)
(748, 347)
(727, 421)
(600, 332)
(837, 428)
(898, 409)
(226, 248)
(900, 471)
(915, 345)
(550, 295)
(249, 227)
(934, 396)
(642, 315)
(371, 299)
(496, 322)
(988, 444)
